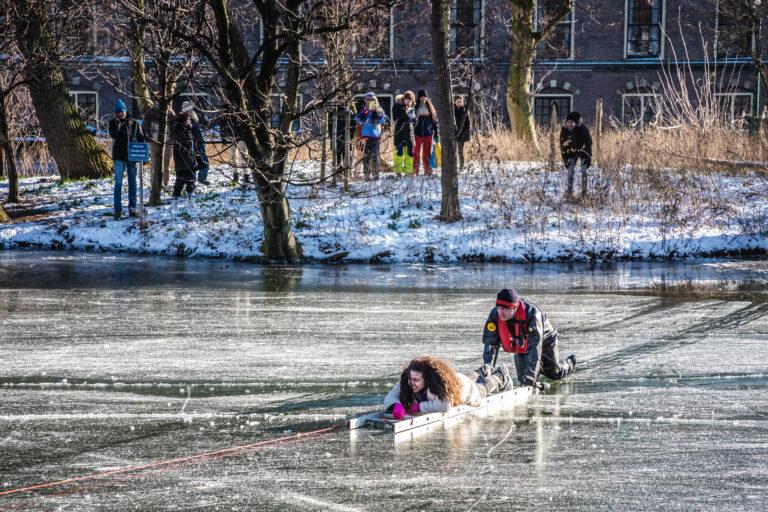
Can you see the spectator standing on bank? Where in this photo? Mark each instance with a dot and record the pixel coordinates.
(185, 157)
(426, 127)
(461, 116)
(575, 145)
(371, 118)
(404, 115)
(197, 134)
(124, 129)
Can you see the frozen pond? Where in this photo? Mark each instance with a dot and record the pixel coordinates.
(112, 362)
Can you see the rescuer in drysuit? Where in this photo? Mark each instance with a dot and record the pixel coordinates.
(526, 332)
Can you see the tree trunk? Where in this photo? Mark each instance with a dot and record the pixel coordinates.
(158, 163)
(138, 70)
(249, 95)
(450, 207)
(6, 148)
(76, 153)
(525, 37)
(279, 241)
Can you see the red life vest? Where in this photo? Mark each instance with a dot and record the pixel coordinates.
(518, 345)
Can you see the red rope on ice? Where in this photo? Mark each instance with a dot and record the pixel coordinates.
(172, 461)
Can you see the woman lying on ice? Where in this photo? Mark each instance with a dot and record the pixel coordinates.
(431, 385)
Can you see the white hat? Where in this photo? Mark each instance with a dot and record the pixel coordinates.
(187, 106)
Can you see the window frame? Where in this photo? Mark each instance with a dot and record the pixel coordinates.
(571, 32)
(552, 95)
(732, 95)
(642, 95)
(715, 47)
(479, 50)
(662, 32)
(76, 93)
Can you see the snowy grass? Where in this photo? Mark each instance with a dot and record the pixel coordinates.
(512, 212)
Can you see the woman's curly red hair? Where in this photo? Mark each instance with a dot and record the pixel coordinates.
(439, 378)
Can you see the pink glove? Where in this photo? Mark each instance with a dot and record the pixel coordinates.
(414, 408)
(398, 412)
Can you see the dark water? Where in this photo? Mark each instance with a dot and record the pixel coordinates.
(112, 362)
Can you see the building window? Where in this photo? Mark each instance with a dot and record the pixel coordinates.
(542, 108)
(375, 39)
(466, 28)
(559, 43)
(640, 110)
(733, 37)
(644, 28)
(734, 108)
(87, 103)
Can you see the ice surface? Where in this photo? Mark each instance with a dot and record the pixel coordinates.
(111, 362)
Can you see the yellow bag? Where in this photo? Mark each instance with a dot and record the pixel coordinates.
(438, 155)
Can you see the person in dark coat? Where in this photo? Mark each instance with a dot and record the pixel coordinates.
(519, 326)
(124, 129)
(575, 145)
(462, 126)
(185, 155)
(404, 114)
(197, 134)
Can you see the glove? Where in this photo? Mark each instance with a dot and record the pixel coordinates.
(528, 381)
(414, 408)
(398, 412)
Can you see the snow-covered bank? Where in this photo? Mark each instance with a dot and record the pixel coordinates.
(511, 213)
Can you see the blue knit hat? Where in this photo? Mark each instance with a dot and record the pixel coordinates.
(120, 106)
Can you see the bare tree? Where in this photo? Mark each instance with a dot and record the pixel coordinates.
(524, 38)
(75, 151)
(249, 77)
(450, 207)
(11, 78)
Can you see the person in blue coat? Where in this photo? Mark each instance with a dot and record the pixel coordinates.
(371, 118)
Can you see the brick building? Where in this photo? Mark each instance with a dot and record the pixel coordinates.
(614, 50)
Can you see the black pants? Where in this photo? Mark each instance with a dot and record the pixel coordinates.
(549, 364)
(371, 159)
(184, 178)
(460, 144)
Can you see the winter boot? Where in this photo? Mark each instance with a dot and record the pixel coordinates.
(483, 373)
(571, 361)
(504, 379)
(397, 166)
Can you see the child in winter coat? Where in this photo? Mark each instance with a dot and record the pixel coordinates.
(426, 127)
(575, 144)
(403, 112)
(371, 118)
